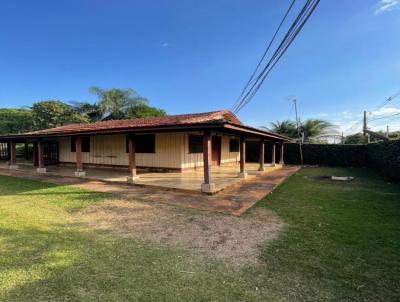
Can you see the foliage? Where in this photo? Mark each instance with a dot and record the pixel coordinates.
(115, 103)
(92, 111)
(327, 155)
(311, 128)
(54, 113)
(314, 128)
(357, 138)
(287, 128)
(13, 121)
(143, 110)
(381, 156)
(385, 157)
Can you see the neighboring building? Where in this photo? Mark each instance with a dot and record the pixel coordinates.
(170, 143)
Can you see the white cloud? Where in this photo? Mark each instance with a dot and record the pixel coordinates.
(386, 5)
(164, 45)
(385, 111)
(323, 114)
(347, 115)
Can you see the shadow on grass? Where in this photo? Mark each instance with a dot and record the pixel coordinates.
(71, 262)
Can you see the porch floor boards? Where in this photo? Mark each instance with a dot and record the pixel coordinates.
(222, 176)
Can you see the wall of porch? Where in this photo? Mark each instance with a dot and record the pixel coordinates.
(171, 152)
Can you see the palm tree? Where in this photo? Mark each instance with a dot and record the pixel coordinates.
(286, 128)
(314, 128)
(114, 103)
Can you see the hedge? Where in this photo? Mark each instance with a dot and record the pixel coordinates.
(327, 155)
(382, 156)
(385, 158)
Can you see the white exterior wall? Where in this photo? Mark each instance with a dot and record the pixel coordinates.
(172, 151)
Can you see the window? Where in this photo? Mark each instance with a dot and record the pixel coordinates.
(233, 145)
(143, 143)
(85, 144)
(195, 144)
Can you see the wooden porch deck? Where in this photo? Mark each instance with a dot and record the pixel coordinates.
(222, 176)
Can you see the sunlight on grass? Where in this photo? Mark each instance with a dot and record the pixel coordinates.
(340, 243)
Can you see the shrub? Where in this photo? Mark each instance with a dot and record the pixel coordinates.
(382, 156)
(385, 158)
(327, 155)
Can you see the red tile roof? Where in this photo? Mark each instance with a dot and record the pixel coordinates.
(170, 120)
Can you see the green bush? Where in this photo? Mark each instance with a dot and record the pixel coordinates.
(327, 155)
(385, 158)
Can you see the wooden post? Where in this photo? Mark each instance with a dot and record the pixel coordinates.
(281, 155)
(132, 158)
(207, 186)
(8, 150)
(79, 162)
(242, 147)
(13, 157)
(273, 155)
(41, 168)
(35, 155)
(261, 156)
(13, 153)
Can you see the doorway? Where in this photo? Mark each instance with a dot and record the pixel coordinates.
(216, 151)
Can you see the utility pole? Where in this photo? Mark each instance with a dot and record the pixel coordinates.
(298, 132)
(342, 138)
(365, 122)
(365, 127)
(387, 131)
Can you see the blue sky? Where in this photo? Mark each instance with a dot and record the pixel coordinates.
(193, 56)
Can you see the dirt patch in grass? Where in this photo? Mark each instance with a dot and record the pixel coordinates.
(225, 237)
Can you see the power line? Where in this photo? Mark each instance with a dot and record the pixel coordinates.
(388, 100)
(383, 104)
(265, 52)
(383, 117)
(288, 39)
(285, 43)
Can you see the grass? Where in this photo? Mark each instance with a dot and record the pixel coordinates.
(342, 242)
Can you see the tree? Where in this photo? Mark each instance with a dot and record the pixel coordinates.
(357, 138)
(13, 121)
(143, 110)
(314, 128)
(92, 111)
(54, 113)
(115, 103)
(286, 128)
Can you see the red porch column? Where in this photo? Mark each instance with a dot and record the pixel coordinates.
(273, 154)
(282, 154)
(35, 155)
(13, 157)
(132, 159)
(207, 186)
(242, 149)
(40, 157)
(79, 162)
(261, 156)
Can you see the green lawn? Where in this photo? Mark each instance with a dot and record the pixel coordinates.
(341, 242)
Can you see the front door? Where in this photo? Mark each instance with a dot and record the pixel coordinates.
(216, 150)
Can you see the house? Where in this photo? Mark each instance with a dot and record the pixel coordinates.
(175, 143)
